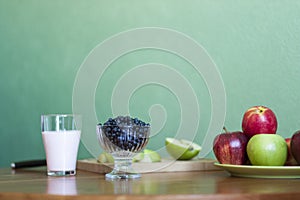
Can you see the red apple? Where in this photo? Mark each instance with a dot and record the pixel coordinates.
(259, 119)
(230, 148)
(290, 160)
(295, 146)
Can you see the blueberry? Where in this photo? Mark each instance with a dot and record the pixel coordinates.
(117, 130)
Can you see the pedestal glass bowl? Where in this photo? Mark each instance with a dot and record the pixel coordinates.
(123, 139)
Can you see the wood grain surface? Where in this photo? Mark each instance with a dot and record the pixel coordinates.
(33, 183)
(166, 165)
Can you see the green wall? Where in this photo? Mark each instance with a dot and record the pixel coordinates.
(254, 44)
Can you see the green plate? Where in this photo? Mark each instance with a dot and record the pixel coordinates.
(250, 171)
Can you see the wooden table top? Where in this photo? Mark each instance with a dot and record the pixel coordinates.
(33, 183)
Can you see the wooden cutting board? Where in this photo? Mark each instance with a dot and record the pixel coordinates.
(142, 167)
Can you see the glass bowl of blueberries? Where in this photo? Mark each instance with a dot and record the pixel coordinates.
(123, 137)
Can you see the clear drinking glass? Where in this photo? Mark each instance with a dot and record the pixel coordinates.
(123, 142)
(61, 137)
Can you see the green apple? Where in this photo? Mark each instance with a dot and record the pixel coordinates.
(182, 149)
(151, 156)
(105, 158)
(267, 150)
(138, 157)
(147, 156)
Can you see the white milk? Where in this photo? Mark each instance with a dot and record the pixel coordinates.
(61, 149)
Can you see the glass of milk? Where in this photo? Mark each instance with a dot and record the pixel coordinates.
(61, 137)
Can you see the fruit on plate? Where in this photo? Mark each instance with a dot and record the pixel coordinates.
(267, 150)
(230, 148)
(295, 146)
(290, 160)
(181, 149)
(259, 119)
